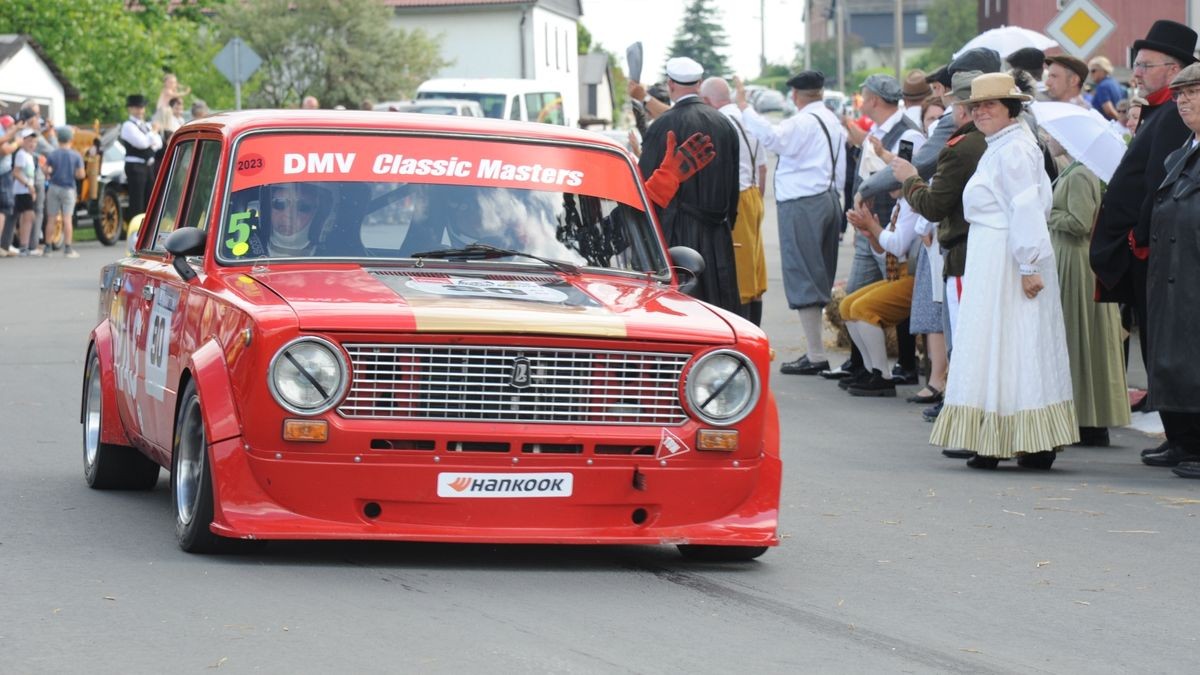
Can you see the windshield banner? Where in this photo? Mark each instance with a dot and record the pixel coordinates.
(288, 158)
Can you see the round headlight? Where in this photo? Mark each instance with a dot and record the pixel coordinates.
(308, 376)
(722, 387)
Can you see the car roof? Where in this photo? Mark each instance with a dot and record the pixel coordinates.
(499, 85)
(232, 124)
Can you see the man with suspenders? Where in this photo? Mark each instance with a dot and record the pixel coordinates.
(747, 232)
(811, 168)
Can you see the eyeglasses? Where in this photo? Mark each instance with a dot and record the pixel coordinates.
(1188, 93)
(280, 204)
(1148, 66)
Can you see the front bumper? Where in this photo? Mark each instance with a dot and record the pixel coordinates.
(716, 501)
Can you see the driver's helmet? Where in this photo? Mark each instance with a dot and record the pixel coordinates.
(295, 215)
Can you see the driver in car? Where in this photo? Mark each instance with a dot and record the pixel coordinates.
(294, 215)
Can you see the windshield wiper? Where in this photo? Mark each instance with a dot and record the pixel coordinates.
(487, 252)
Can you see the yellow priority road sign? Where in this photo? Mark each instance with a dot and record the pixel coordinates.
(1080, 28)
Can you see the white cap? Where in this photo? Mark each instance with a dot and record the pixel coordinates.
(25, 133)
(684, 70)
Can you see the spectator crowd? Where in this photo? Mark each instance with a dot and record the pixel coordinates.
(986, 217)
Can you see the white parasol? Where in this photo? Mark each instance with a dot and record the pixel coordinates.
(1008, 39)
(1084, 134)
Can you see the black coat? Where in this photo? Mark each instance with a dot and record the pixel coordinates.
(704, 210)
(1127, 203)
(1173, 287)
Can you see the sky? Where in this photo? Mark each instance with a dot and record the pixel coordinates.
(618, 23)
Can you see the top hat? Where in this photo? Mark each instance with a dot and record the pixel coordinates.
(1170, 38)
(135, 101)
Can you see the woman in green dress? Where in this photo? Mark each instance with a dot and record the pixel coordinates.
(1094, 341)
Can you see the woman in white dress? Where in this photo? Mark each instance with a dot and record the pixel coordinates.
(1009, 393)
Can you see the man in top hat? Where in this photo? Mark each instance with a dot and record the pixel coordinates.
(915, 90)
(140, 140)
(1065, 76)
(812, 166)
(703, 212)
(1121, 238)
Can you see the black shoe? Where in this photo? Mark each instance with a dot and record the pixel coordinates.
(1187, 470)
(1154, 451)
(876, 385)
(1037, 460)
(802, 366)
(1172, 456)
(836, 374)
(860, 376)
(958, 453)
(931, 413)
(981, 462)
(902, 376)
(935, 397)
(1093, 437)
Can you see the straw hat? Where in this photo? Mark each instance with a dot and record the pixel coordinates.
(995, 87)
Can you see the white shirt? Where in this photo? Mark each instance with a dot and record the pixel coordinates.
(881, 130)
(898, 242)
(1011, 191)
(804, 164)
(138, 134)
(23, 162)
(749, 158)
(913, 112)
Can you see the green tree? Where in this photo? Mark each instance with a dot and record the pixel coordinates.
(701, 37)
(341, 52)
(952, 23)
(583, 38)
(824, 59)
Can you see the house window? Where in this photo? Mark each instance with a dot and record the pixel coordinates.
(557, 53)
(546, 41)
(922, 24)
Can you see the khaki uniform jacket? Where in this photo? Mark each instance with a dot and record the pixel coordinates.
(941, 200)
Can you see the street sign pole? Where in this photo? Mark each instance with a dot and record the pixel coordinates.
(237, 68)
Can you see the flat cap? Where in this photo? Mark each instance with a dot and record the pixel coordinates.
(807, 80)
(941, 76)
(1190, 75)
(1070, 63)
(884, 86)
(916, 85)
(982, 59)
(961, 89)
(684, 70)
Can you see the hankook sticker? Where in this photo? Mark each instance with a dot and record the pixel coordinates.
(455, 484)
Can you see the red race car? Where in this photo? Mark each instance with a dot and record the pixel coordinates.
(386, 326)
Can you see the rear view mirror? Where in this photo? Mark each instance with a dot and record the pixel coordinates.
(182, 243)
(687, 260)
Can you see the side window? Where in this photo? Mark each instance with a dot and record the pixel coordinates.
(515, 112)
(199, 203)
(168, 210)
(533, 104)
(550, 111)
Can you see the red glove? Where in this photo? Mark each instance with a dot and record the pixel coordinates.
(678, 165)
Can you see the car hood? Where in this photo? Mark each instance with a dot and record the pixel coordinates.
(365, 299)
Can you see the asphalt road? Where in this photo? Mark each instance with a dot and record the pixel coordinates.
(893, 559)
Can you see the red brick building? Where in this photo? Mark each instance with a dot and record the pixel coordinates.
(1132, 18)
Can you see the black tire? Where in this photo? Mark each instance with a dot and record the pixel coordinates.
(721, 553)
(110, 218)
(191, 479)
(107, 466)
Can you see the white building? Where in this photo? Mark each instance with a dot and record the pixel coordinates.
(531, 39)
(26, 72)
(595, 90)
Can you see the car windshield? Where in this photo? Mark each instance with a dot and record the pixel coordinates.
(390, 197)
(492, 104)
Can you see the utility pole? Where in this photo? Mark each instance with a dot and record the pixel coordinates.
(840, 18)
(899, 39)
(808, 34)
(762, 37)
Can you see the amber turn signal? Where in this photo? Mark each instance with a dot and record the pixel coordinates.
(720, 440)
(308, 431)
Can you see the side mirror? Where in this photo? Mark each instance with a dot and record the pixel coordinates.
(688, 260)
(184, 242)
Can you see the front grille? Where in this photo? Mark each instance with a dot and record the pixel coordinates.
(436, 382)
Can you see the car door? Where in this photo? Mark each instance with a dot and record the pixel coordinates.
(155, 398)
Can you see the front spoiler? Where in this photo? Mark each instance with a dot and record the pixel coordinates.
(716, 503)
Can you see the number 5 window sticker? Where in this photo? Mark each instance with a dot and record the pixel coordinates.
(238, 241)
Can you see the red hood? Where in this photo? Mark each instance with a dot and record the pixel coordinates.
(358, 299)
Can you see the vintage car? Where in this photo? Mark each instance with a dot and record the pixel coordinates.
(387, 326)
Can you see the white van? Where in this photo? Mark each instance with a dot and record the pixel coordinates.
(500, 98)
